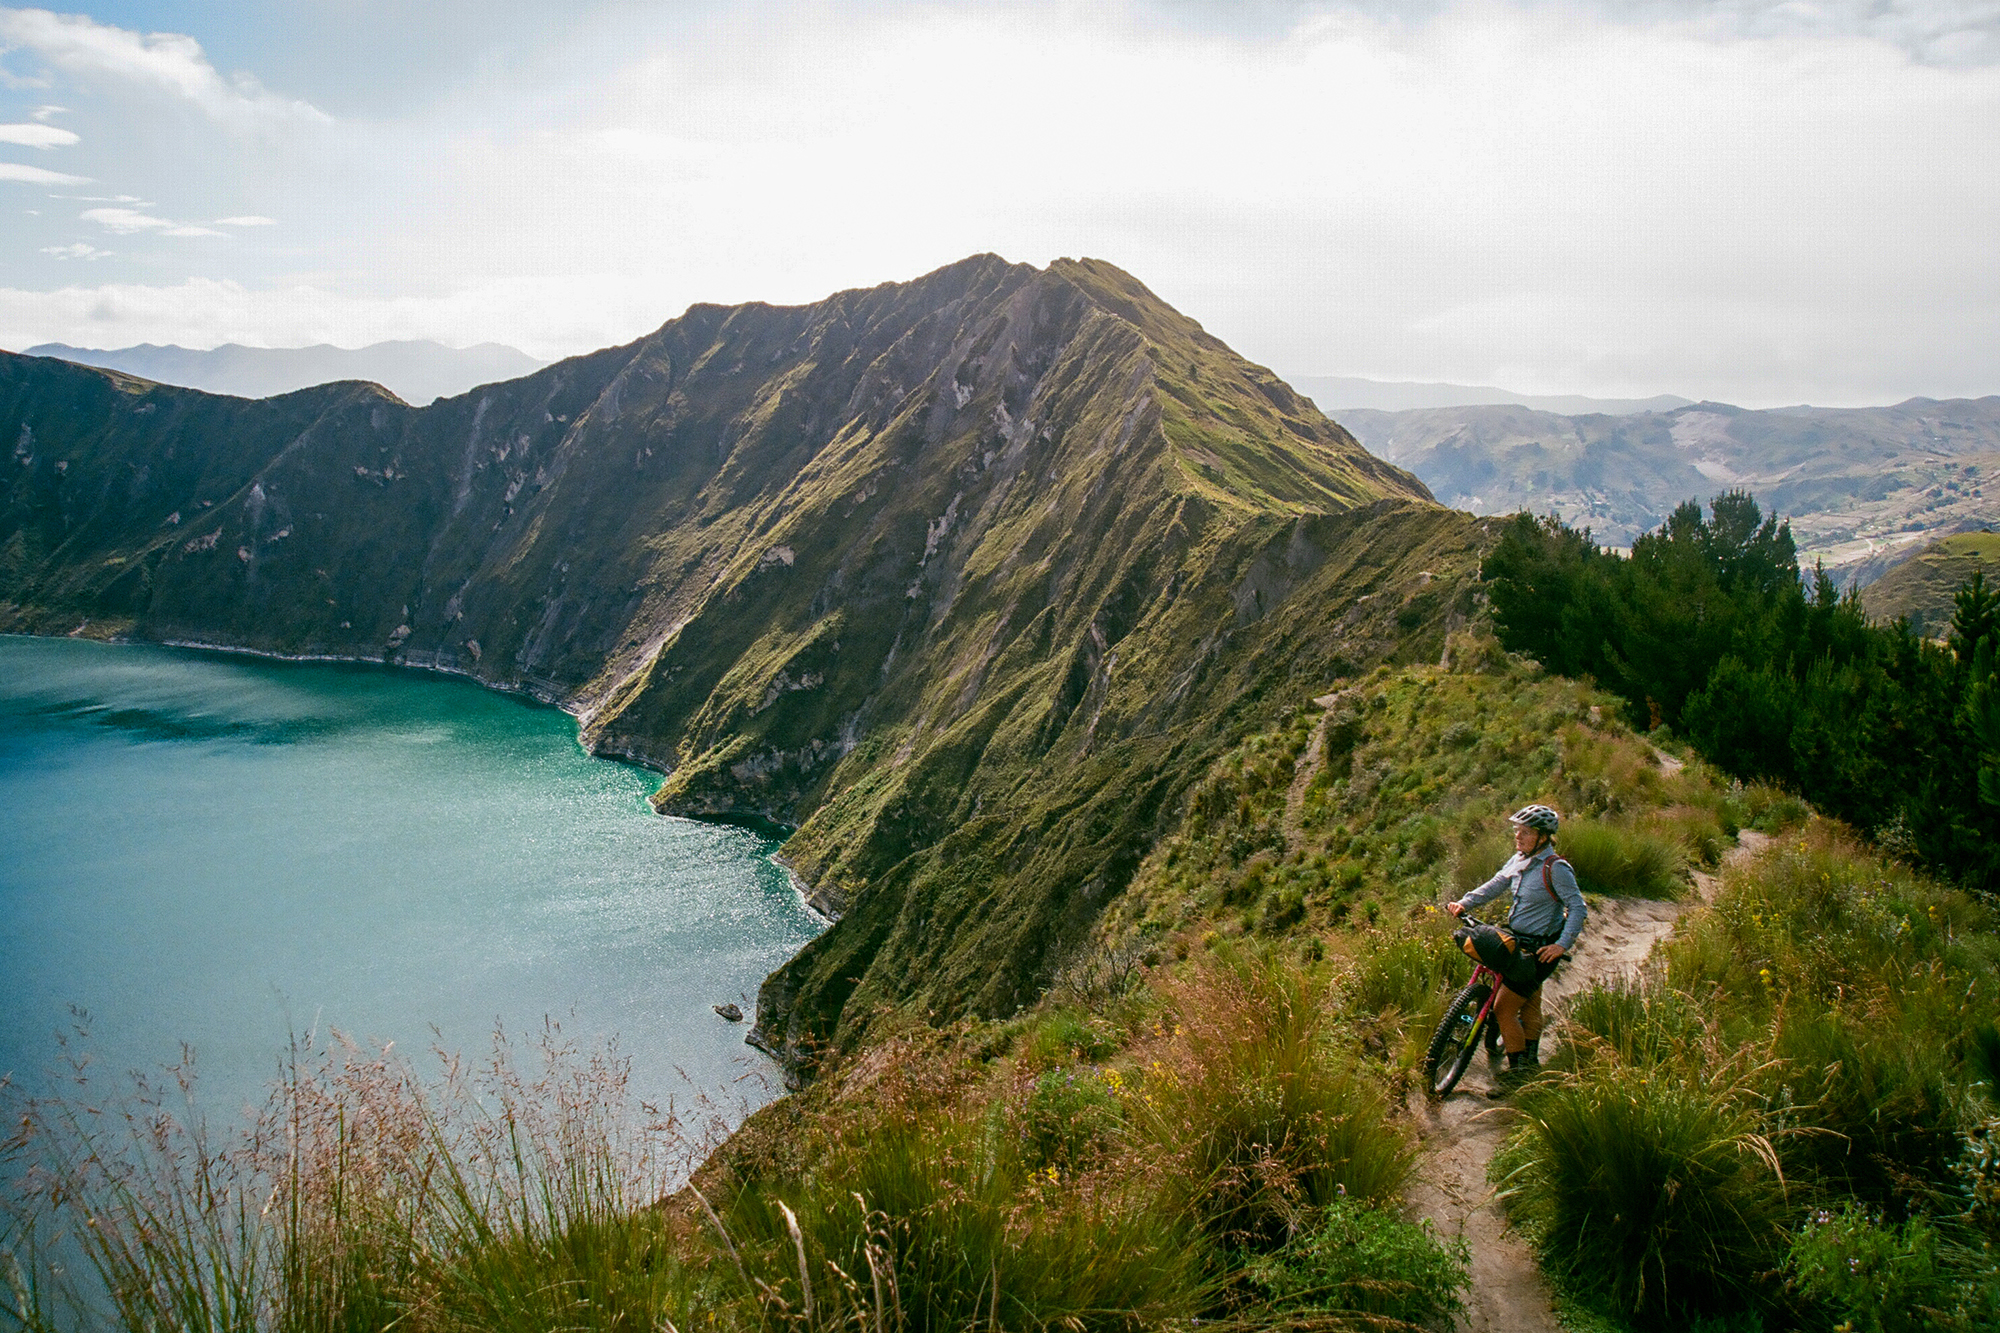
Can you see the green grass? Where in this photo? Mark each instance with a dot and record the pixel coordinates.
(1360, 1260)
(1624, 861)
(1640, 1182)
(1855, 1270)
(1817, 1043)
(1261, 1109)
(1420, 768)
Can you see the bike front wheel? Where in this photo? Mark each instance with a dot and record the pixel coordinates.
(1456, 1040)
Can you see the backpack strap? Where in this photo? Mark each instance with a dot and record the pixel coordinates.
(1548, 879)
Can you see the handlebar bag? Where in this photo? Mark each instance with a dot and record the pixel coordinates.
(1498, 950)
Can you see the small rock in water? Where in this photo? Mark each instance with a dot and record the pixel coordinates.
(730, 1012)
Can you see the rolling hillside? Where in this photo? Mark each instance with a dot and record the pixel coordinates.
(1859, 485)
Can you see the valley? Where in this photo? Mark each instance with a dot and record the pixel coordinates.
(1861, 487)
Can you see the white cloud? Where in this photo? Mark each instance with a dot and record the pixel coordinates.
(35, 135)
(14, 171)
(161, 62)
(248, 220)
(46, 112)
(130, 222)
(1941, 32)
(1356, 195)
(80, 250)
(1763, 202)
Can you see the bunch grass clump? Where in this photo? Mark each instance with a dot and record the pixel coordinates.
(934, 1222)
(1650, 1186)
(1351, 1258)
(1261, 1110)
(1625, 861)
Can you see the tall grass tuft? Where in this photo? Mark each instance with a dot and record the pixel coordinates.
(1654, 1189)
(1405, 969)
(363, 1197)
(1363, 1261)
(1261, 1113)
(1625, 862)
(1890, 1099)
(925, 1222)
(1634, 1021)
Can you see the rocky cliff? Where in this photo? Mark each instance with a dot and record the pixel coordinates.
(963, 579)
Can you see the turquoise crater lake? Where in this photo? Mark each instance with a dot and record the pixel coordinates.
(222, 851)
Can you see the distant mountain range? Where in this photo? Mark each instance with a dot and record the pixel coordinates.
(1337, 393)
(1861, 486)
(416, 372)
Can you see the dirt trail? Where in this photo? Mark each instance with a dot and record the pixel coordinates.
(1462, 1132)
(1308, 769)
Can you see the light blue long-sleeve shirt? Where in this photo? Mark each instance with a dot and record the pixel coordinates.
(1534, 912)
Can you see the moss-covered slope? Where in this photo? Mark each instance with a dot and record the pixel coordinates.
(966, 577)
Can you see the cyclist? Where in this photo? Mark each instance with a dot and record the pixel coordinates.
(1546, 917)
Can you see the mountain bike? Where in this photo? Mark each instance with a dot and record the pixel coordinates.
(1466, 1026)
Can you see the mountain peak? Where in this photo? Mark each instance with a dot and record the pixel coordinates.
(913, 568)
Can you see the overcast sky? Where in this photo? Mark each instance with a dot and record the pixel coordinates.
(1760, 203)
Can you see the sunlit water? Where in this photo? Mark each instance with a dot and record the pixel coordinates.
(221, 852)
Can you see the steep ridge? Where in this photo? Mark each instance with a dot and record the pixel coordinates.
(964, 578)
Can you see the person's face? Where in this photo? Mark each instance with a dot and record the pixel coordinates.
(1525, 839)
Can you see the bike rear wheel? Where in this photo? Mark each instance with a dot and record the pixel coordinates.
(1457, 1039)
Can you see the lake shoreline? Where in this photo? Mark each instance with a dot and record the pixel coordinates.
(808, 896)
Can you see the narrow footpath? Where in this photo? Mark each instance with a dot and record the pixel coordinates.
(1462, 1132)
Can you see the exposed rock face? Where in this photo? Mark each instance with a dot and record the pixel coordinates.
(966, 578)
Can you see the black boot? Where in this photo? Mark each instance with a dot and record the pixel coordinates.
(1521, 1066)
(1533, 1054)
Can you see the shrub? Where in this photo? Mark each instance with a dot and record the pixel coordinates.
(1406, 970)
(1069, 1117)
(1259, 1112)
(1624, 862)
(1876, 1277)
(1356, 1259)
(1646, 1187)
(1978, 1173)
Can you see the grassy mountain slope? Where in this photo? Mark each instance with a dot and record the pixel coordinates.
(965, 577)
(1921, 586)
(1854, 482)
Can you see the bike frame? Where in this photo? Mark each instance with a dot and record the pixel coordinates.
(1452, 1046)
